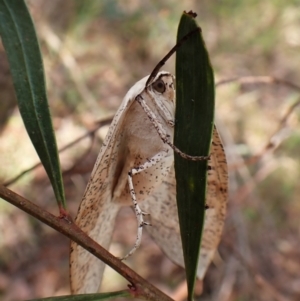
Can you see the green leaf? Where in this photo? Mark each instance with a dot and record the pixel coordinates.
(22, 49)
(193, 130)
(88, 297)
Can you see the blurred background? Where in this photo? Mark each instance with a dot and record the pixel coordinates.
(93, 52)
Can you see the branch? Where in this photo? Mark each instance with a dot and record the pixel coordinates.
(139, 287)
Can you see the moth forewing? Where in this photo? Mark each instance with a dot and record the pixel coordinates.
(96, 213)
(131, 142)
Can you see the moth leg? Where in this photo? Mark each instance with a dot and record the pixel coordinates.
(138, 212)
(162, 133)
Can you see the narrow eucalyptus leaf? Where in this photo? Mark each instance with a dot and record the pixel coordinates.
(193, 130)
(24, 56)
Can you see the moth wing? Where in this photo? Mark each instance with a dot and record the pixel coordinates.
(96, 214)
(162, 208)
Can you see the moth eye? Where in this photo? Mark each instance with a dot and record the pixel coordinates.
(159, 86)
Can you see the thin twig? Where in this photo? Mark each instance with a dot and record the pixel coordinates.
(169, 54)
(259, 80)
(276, 138)
(99, 124)
(139, 286)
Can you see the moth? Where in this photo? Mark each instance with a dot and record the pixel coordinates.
(135, 167)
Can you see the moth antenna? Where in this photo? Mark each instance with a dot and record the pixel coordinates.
(169, 54)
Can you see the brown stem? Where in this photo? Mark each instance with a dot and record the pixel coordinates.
(68, 228)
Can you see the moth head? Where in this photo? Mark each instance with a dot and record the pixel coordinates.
(163, 86)
(162, 93)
